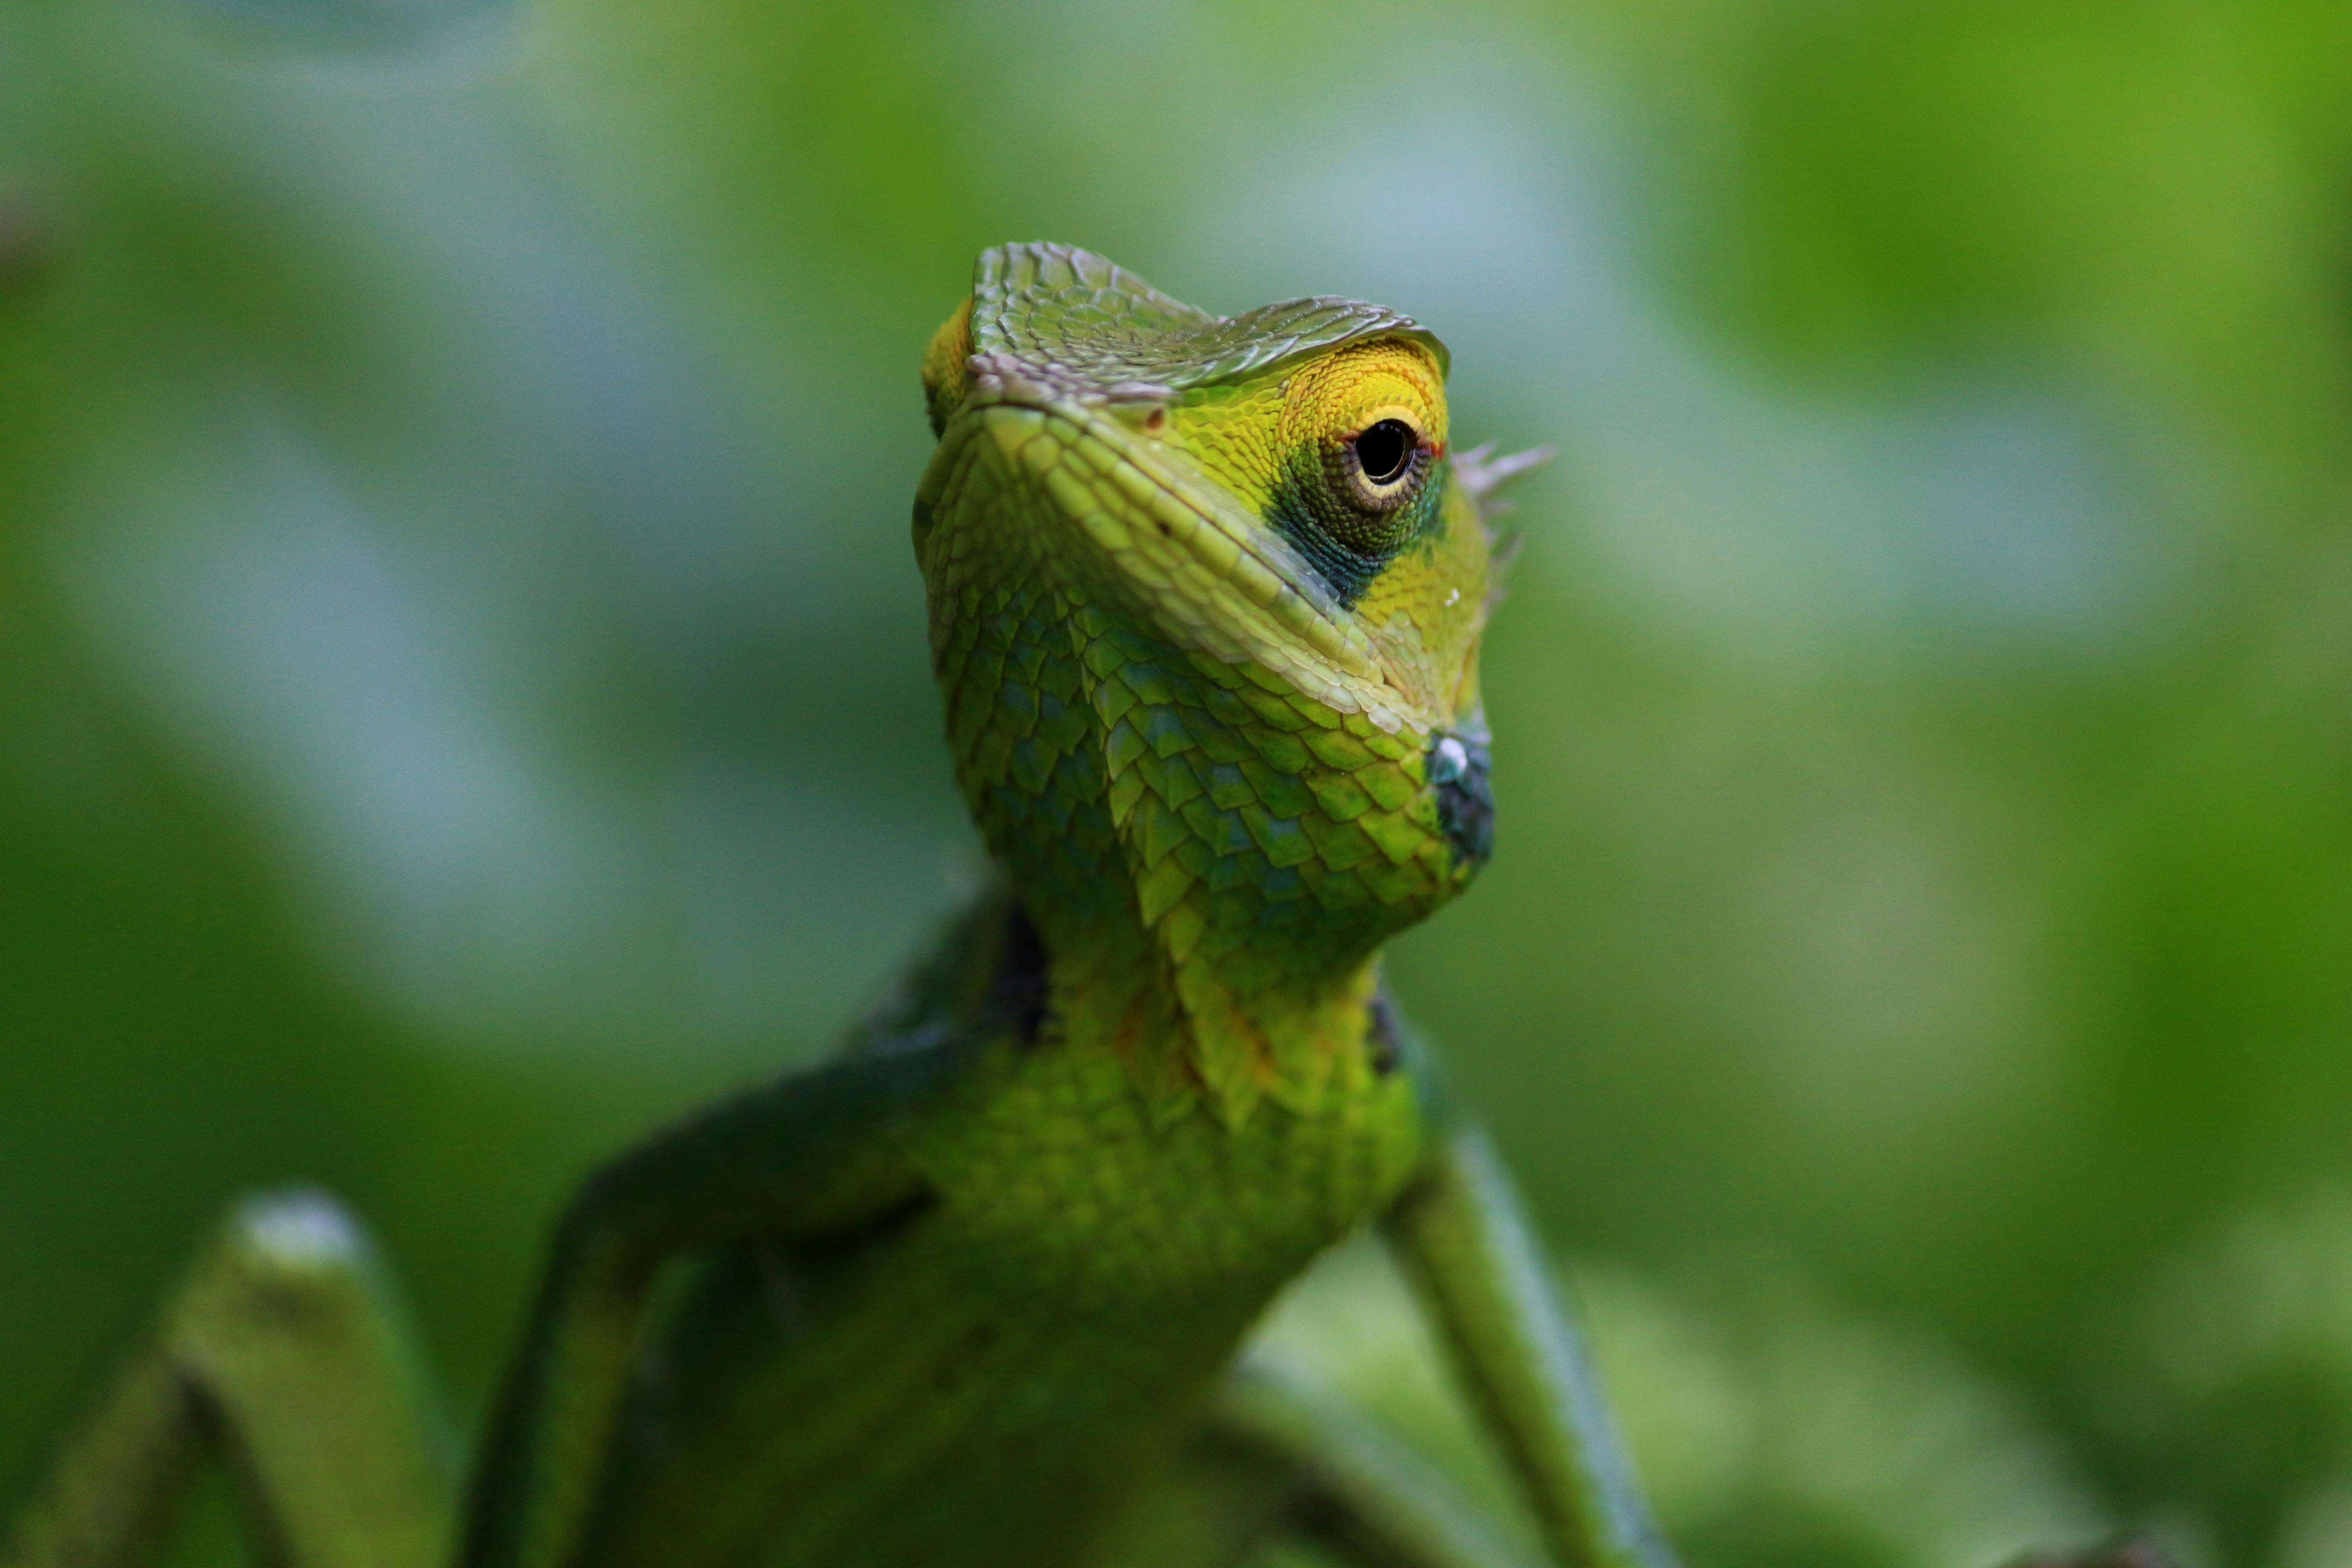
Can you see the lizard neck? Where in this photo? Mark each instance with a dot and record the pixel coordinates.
(1145, 804)
(1191, 1033)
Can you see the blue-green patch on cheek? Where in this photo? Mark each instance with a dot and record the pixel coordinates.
(1303, 509)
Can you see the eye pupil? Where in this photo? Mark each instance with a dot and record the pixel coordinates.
(1385, 449)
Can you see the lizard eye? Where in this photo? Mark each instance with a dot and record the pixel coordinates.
(1383, 451)
(1380, 466)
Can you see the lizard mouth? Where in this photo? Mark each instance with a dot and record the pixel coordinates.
(1172, 544)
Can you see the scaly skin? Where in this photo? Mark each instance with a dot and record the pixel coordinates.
(1211, 821)
(1206, 603)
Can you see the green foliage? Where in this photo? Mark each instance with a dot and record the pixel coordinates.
(462, 687)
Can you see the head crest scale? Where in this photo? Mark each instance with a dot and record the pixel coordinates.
(1054, 308)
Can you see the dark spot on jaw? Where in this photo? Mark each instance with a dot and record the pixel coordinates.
(1018, 993)
(1383, 1042)
(1456, 766)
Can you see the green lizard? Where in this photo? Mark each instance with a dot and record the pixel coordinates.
(1205, 602)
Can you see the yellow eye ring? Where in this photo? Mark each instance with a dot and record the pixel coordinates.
(1379, 465)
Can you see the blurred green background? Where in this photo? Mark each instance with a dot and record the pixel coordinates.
(462, 689)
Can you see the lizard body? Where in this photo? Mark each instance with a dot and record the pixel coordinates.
(1205, 598)
(1106, 1203)
(982, 1378)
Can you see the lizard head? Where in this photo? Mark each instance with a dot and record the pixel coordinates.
(1206, 595)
